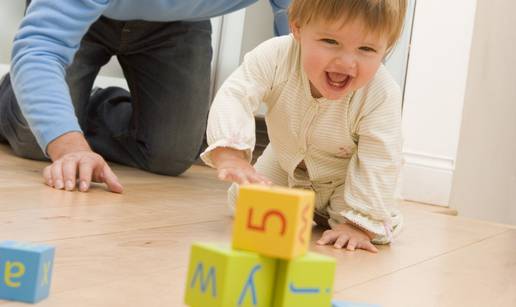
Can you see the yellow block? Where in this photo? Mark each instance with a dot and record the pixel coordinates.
(221, 277)
(305, 281)
(273, 221)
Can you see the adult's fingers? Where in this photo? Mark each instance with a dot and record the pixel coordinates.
(111, 180)
(69, 169)
(85, 174)
(47, 175)
(57, 174)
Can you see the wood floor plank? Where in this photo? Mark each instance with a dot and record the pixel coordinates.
(102, 213)
(482, 274)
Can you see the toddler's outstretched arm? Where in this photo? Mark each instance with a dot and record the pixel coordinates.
(232, 165)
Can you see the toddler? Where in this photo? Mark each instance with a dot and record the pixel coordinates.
(333, 117)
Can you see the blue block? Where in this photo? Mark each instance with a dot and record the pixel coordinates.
(351, 304)
(25, 270)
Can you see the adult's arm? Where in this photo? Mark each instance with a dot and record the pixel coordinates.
(48, 37)
(280, 8)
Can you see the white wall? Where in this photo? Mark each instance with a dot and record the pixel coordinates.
(241, 32)
(11, 12)
(397, 60)
(229, 47)
(484, 185)
(434, 96)
(258, 26)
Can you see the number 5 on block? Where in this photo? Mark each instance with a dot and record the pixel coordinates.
(273, 221)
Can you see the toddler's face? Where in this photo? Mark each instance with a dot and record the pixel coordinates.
(339, 59)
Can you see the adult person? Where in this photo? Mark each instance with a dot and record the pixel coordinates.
(47, 109)
(279, 9)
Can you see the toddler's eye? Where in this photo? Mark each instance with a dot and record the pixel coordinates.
(329, 41)
(367, 49)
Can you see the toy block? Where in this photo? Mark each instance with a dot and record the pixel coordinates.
(219, 276)
(351, 304)
(273, 221)
(26, 271)
(306, 281)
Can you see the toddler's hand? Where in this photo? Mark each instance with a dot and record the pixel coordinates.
(241, 172)
(346, 235)
(232, 166)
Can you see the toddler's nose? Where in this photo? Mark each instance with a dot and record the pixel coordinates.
(347, 62)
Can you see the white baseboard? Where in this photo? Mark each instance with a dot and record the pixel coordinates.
(426, 178)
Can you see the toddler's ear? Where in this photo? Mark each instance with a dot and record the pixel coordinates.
(296, 30)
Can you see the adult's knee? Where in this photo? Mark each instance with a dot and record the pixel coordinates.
(28, 150)
(13, 126)
(173, 157)
(170, 163)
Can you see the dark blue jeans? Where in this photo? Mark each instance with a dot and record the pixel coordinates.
(158, 126)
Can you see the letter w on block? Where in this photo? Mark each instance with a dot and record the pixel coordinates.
(273, 221)
(242, 279)
(204, 282)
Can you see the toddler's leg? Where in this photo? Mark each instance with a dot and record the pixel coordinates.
(266, 165)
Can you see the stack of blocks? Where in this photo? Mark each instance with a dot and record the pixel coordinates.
(268, 264)
(26, 271)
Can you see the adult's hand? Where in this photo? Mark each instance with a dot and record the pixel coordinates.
(75, 164)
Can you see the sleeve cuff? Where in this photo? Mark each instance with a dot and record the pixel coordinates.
(206, 154)
(46, 139)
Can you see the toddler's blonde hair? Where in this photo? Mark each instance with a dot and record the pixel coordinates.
(383, 17)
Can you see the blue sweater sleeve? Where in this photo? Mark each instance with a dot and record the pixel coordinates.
(44, 46)
(280, 10)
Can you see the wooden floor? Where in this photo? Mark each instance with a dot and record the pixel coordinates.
(132, 249)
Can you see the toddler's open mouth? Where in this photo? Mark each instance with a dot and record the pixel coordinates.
(338, 80)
